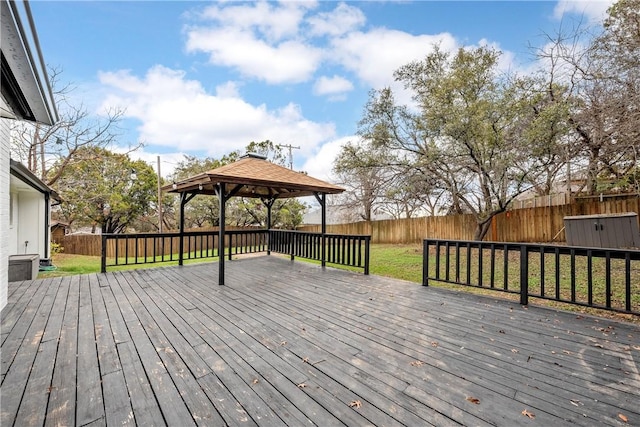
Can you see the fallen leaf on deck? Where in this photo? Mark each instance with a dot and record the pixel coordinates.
(636, 347)
(355, 404)
(576, 402)
(305, 360)
(528, 414)
(283, 343)
(302, 385)
(598, 345)
(434, 343)
(502, 331)
(417, 363)
(255, 381)
(515, 350)
(473, 400)
(566, 351)
(623, 418)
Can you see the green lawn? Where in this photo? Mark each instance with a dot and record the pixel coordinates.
(397, 261)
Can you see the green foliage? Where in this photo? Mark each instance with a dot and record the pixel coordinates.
(106, 189)
(56, 248)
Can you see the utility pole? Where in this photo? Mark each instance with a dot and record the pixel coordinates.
(159, 198)
(290, 147)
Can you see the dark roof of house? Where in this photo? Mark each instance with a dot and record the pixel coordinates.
(254, 176)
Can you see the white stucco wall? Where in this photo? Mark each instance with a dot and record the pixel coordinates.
(4, 210)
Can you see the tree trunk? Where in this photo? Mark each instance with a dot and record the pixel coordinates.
(482, 228)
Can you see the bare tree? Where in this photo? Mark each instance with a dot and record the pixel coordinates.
(598, 76)
(41, 147)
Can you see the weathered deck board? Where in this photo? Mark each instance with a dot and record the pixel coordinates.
(292, 344)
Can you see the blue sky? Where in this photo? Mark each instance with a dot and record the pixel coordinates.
(204, 78)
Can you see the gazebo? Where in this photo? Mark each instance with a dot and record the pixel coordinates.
(255, 177)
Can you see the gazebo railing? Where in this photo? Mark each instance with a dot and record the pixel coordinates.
(341, 249)
(149, 248)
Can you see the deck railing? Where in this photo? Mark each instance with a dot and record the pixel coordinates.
(341, 249)
(593, 277)
(148, 248)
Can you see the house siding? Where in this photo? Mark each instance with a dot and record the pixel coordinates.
(4, 209)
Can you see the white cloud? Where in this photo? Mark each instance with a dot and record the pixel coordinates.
(335, 87)
(273, 21)
(227, 90)
(168, 161)
(341, 20)
(178, 113)
(374, 56)
(320, 164)
(287, 62)
(593, 10)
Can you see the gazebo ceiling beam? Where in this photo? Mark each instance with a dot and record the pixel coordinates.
(235, 190)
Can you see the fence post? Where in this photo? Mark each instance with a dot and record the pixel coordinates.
(103, 254)
(524, 275)
(425, 263)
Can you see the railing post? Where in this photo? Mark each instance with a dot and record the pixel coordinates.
(367, 242)
(103, 255)
(425, 263)
(524, 275)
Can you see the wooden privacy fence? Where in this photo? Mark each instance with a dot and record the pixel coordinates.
(535, 225)
(91, 244)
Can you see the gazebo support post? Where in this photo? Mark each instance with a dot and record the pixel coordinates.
(222, 198)
(269, 204)
(184, 199)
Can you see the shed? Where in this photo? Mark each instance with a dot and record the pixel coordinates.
(603, 230)
(58, 231)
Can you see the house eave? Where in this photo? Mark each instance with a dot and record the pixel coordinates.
(25, 175)
(25, 85)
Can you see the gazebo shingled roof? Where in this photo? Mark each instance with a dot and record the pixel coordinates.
(251, 176)
(257, 177)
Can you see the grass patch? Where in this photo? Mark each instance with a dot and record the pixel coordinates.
(405, 262)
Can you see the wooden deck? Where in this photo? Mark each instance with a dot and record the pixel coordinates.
(291, 344)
